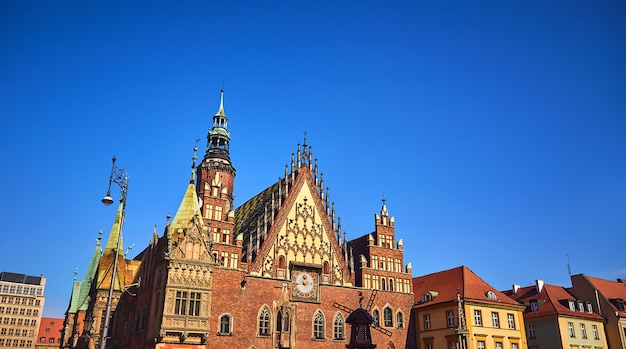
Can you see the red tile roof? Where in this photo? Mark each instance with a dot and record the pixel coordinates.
(552, 300)
(460, 279)
(610, 289)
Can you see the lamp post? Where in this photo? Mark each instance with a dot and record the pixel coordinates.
(119, 177)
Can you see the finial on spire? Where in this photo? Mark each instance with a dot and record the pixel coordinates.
(304, 144)
(384, 199)
(193, 162)
(75, 273)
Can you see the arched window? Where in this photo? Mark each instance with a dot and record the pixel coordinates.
(400, 320)
(264, 322)
(281, 262)
(286, 323)
(391, 284)
(376, 317)
(383, 283)
(225, 324)
(318, 325)
(388, 317)
(326, 268)
(279, 321)
(338, 327)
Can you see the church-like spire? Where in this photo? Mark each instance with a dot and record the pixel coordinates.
(218, 139)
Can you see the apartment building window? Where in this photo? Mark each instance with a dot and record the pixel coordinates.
(481, 345)
(427, 322)
(514, 346)
(498, 345)
(594, 329)
(581, 306)
(530, 331)
(511, 320)
(572, 307)
(589, 308)
(570, 327)
(3, 331)
(478, 318)
(450, 318)
(583, 331)
(495, 320)
(452, 345)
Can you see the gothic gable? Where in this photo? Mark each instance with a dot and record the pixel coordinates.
(302, 235)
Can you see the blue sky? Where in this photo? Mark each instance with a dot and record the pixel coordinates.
(495, 130)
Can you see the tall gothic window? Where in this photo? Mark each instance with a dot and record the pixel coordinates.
(338, 327)
(318, 325)
(400, 320)
(388, 317)
(180, 304)
(194, 303)
(376, 317)
(264, 322)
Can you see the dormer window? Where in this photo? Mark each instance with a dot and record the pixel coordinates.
(492, 296)
(581, 307)
(571, 306)
(429, 296)
(589, 308)
(533, 305)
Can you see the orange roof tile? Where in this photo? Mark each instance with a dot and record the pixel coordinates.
(610, 289)
(462, 280)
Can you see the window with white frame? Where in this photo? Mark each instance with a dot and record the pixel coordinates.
(583, 331)
(589, 308)
(427, 321)
(581, 306)
(514, 346)
(478, 318)
(572, 307)
(495, 320)
(570, 327)
(594, 329)
(498, 345)
(481, 345)
(511, 320)
(450, 318)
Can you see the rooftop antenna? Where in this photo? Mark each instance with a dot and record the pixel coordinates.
(569, 269)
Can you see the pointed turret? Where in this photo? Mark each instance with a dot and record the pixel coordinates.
(189, 209)
(218, 138)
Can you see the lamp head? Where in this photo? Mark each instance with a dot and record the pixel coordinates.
(107, 200)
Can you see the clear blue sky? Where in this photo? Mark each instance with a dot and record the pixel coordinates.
(495, 130)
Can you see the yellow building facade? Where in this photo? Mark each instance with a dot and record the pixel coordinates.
(456, 309)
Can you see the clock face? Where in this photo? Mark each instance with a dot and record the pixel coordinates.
(304, 285)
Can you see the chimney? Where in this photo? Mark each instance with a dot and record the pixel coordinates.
(539, 284)
(515, 288)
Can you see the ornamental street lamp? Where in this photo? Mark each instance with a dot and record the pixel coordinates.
(119, 177)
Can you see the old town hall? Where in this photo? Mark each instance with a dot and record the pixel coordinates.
(275, 272)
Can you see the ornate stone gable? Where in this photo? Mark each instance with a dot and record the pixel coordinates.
(302, 234)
